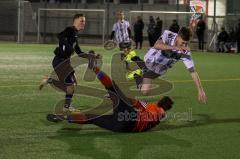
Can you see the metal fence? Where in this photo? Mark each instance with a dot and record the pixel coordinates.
(22, 21)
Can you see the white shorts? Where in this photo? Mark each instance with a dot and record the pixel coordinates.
(156, 62)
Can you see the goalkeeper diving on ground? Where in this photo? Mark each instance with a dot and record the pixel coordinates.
(129, 115)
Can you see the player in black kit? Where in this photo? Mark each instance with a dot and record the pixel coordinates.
(68, 44)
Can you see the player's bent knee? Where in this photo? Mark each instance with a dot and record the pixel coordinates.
(145, 92)
(70, 89)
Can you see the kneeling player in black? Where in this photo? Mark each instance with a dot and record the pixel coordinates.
(129, 115)
(61, 63)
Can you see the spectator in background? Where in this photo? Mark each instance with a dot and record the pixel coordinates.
(174, 27)
(232, 39)
(158, 29)
(222, 40)
(151, 31)
(200, 28)
(138, 32)
(238, 36)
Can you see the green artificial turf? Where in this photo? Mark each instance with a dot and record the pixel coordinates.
(193, 130)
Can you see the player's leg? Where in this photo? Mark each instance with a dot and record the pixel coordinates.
(136, 42)
(148, 77)
(136, 74)
(46, 80)
(121, 49)
(138, 61)
(238, 45)
(109, 85)
(117, 123)
(70, 89)
(202, 41)
(122, 119)
(59, 66)
(145, 74)
(103, 78)
(116, 95)
(53, 82)
(66, 76)
(140, 43)
(199, 41)
(146, 86)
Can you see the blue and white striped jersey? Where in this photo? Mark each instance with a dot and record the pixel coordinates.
(156, 61)
(121, 31)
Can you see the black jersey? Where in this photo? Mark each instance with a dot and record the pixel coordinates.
(68, 43)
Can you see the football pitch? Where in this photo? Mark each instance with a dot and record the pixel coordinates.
(195, 131)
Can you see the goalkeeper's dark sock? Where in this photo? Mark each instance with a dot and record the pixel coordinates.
(103, 78)
(68, 100)
(138, 80)
(77, 118)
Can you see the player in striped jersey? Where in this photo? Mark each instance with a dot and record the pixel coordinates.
(129, 115)
(122, 32)
(169, 49)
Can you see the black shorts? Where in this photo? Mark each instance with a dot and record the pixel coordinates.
(125, 45)
(124, 115)
(149, 74)
(64, 70)
(146, 72)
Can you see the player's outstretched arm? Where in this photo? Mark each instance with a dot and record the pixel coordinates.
(201, 94)
(160, 45)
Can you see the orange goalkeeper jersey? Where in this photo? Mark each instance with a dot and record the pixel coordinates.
(149, 115)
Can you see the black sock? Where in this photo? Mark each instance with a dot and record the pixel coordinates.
(138, 80)
(50, 80)
(68, 100)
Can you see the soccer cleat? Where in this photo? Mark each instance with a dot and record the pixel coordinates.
(55, 118)
(130, 55)
(70, 110)
(107, 96)
(131, 75)
(44, 82)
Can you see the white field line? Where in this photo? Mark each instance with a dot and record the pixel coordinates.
(174, 81)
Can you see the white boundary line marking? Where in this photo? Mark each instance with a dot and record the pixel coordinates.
(174, 81)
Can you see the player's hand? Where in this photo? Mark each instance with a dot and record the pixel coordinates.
(186, 48)
(182, 48)
(202, 97)
(98, 56)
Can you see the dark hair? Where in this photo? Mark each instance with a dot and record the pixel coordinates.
(76, 16)
(185, 33)
(166, 103)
